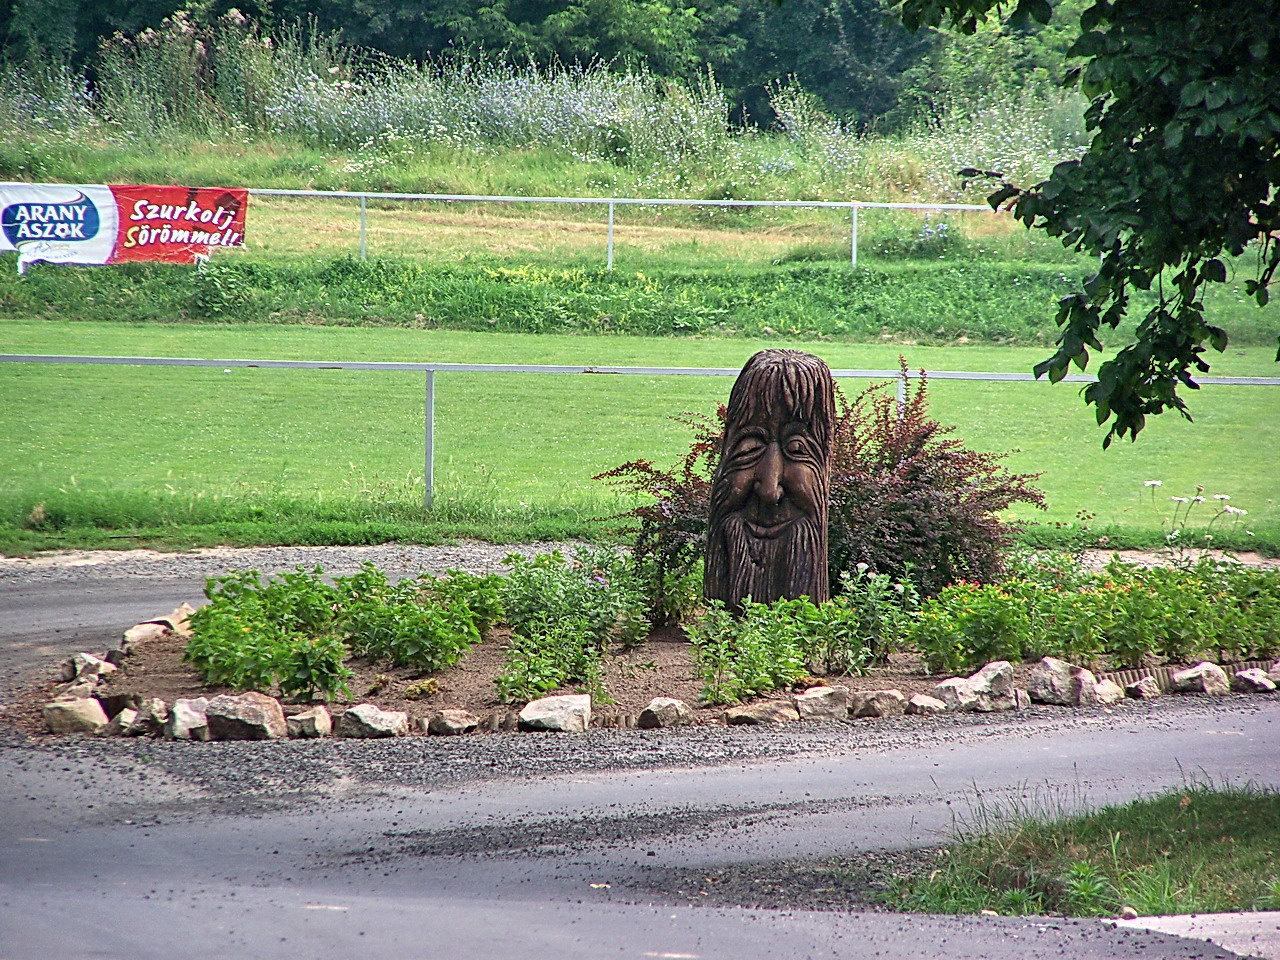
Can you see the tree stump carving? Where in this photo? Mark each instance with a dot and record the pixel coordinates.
(767, 534)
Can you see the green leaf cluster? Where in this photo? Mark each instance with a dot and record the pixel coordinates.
(564, 614)
(1182, 168)
(296, 631)
(774, 645)
(1125, 616)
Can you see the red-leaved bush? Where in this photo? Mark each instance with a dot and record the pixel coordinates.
(907, 499)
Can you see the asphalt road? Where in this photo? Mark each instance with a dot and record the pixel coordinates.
(517, 845)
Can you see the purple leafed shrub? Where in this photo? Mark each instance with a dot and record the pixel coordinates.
(908, 499)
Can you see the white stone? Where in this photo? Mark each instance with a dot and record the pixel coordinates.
(316, 722)
(1274, 672)
(956, 695)
(366, 720)
(568, 713)
(144, 633)
(992, 688)
(75, 716)
(187, 719)
(120, 723)
(664, 712)
(922, 704)
(1063, 684)
(84, 666)
(823, 703)
(452, 723)
(1204, 677)
(76, 689)
(1107, 692)
(760, 712)
(1252, 681)
(1145, 688)
(246, 716)
(877, 703)
(179, 619)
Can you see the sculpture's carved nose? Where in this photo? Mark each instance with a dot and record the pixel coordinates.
(769, 476)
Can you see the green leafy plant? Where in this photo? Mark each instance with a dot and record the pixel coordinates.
(563, 615)
(296, 631)
(969, 624)
(770, 646)
(1123, 616)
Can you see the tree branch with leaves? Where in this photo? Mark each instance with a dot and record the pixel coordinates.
(1180, 177)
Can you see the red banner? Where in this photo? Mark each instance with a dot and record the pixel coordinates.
(177, 224)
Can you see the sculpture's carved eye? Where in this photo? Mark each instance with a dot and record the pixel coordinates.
(799, 445)
(747, 448)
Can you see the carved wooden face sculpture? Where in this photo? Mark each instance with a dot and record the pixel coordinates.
(767, 536)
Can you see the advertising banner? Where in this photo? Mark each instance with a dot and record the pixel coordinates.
(97, 224)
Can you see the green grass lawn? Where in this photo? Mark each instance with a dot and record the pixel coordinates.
(199, 455)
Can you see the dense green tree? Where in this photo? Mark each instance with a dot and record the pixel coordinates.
(1003, 58)
(70, 30)
(1180, 175)
(851, 54)
(667, 34)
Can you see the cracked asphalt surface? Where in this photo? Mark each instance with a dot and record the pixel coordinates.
(705, 842)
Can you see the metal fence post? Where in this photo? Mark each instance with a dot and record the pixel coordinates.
(610, 265)
(853, 237)
(364, 249)
(429, 418)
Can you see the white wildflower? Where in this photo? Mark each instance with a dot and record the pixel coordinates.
(1179, 499)
(1154, 483)
(1221, 496)
(1234, 511)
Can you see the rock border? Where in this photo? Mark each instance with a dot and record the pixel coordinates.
(81, 706)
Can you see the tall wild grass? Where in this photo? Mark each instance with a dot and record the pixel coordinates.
(229, 82)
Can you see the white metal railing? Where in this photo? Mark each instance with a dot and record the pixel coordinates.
(853, 206)
(364, 196)
(431, 369)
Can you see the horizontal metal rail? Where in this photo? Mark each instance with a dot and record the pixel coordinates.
(435, 367)
(619, 201)
(430, 369)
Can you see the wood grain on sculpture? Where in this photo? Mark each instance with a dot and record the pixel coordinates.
(767, 535)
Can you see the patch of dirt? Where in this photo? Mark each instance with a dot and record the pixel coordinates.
(1097, 559)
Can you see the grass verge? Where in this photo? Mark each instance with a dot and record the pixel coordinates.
(1198, 849)
(931, 301)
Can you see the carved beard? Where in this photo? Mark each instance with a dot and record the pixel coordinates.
(765, 569)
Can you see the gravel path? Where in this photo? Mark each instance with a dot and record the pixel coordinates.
(474, 556)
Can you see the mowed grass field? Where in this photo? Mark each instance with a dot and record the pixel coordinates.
(126, 455)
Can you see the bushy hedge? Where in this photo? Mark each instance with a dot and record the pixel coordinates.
(774, 645)
(563, 614)
(296, 631)
(1125, 616)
